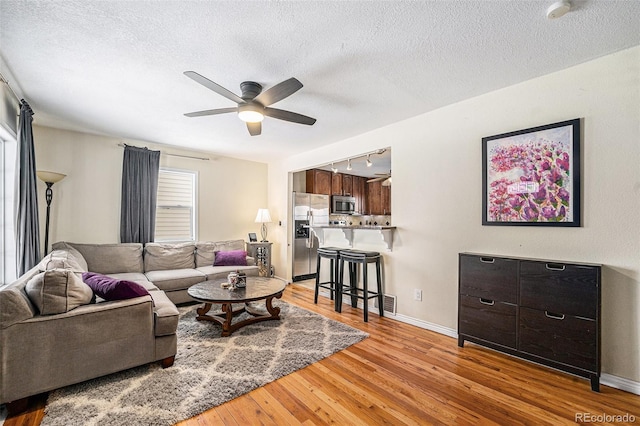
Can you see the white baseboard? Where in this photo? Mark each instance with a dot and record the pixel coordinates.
(605, 378)
(620, 383)
(402, 318)
(426, 325)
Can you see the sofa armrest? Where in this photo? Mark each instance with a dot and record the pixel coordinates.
(48, 352)
(251, 261)
(93, 308)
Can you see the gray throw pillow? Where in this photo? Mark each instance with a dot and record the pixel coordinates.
(57, 291)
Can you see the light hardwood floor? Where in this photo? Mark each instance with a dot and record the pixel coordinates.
(401, 375)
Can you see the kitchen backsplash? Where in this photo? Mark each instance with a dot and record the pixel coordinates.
(360, 220)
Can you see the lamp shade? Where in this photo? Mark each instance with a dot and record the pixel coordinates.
(51, 177)
(263, 216)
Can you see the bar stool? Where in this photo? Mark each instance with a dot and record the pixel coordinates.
(355, 258)
(333, 254)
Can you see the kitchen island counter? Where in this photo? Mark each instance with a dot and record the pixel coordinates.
(373, 227)
(355, 236)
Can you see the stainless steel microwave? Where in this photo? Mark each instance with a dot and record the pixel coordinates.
(343, 204)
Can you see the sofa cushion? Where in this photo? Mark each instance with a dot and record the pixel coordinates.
(165, 314)
(56, 291)
(176, 279)
(163, 256)
(113, 289)
(136, 277)
(230, 245)
(109, 258)
(231, 258)
(217, 272)
(64, 258)
(205, 250)
(205, 253)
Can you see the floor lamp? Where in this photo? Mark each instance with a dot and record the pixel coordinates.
(49, 178)
(263, 217)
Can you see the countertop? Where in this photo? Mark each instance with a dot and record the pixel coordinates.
(373, 227)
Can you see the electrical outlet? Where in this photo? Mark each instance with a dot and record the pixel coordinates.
(417, 295)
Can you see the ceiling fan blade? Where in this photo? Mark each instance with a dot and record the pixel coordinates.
(294, 117)
(213, 86)
(279, 92)
(211, 112)
(376, 179)
(254, 128)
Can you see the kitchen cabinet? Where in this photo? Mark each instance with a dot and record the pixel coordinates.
(359, 193)
(319, 181)
(328, 183)
(374, 198)
(347, 184)
(544, 311)
(378, 198)
(386, 199)
(336, 184)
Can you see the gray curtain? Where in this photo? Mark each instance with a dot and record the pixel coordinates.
(27, 221)
(140, 169)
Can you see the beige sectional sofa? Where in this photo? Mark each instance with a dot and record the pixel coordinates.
(44, 351)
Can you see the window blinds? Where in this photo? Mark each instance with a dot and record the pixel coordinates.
(175, 212)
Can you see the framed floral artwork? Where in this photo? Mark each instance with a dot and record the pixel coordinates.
(532, 176)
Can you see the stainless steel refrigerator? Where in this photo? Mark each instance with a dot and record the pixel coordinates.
(308, 209)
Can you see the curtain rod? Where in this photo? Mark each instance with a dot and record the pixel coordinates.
(166, 153)
(5, 81)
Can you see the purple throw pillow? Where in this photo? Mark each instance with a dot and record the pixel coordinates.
(230, 258)
(111, 288)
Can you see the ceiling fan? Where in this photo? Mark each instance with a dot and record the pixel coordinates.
(253, 104)
(384, 177)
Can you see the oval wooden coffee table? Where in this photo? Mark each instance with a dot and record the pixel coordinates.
(258, 288)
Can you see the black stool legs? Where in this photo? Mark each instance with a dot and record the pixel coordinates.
(354, 258)
(333, 254)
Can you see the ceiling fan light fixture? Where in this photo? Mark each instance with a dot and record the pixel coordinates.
(250, 113)
(369, 163)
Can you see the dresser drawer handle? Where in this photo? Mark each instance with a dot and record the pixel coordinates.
(553, 316)
(487, 301)
(555, 267)
(487, 259)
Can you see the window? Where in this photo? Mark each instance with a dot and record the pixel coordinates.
(176, 206)
(8, 261)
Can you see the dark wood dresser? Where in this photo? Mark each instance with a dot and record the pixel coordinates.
(540, 310)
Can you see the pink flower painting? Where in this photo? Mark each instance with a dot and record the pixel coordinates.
(529, 176)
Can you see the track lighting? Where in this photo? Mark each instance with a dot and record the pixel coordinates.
(349, 165)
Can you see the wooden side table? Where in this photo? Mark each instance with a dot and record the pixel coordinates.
(261, 251)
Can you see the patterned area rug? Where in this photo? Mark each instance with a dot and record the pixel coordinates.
(208, 371)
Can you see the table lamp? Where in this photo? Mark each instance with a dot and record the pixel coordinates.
(263, 217)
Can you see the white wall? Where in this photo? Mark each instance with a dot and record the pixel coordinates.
(86, 204)
(437, 183)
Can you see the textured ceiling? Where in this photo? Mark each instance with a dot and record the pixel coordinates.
(116, 67)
